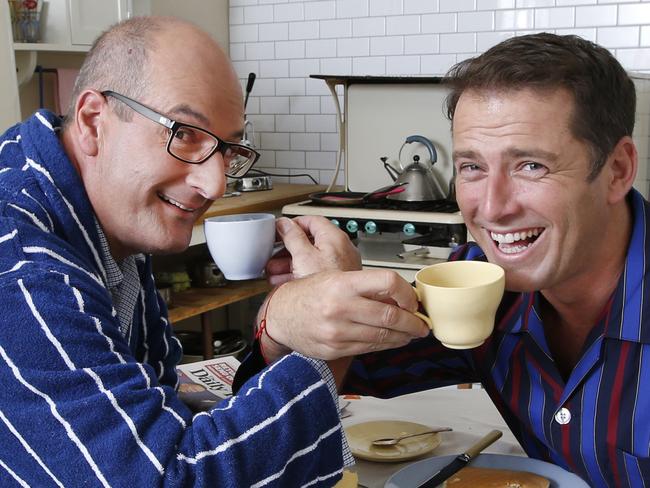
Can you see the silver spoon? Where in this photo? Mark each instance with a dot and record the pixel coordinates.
(391, 441)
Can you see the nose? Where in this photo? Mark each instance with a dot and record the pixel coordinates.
(208, 178)
(499, 200)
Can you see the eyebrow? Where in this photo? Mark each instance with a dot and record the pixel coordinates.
(514, 153)
(185, 109)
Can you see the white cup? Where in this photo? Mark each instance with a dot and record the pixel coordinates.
(241, 244)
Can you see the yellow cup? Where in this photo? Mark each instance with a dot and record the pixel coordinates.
(460, 299)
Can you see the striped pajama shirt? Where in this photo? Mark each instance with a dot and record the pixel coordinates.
(595, 424)
(82, 403)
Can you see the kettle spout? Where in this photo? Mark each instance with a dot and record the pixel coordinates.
(389, 169)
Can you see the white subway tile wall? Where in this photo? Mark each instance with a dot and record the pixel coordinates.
(284, 41)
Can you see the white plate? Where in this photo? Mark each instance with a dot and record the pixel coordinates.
(360, 437)
(417, 473)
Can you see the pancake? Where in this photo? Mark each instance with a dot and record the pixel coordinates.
(495, 478)
(349, 480)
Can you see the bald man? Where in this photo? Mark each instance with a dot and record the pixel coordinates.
(87, 355)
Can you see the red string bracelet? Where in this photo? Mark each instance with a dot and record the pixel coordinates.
(262, 326)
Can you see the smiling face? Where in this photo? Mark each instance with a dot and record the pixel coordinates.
(145, 199)
(522, 186)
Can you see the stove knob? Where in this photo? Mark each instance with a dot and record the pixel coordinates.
(352, 226)
(335, 222)
(408, 229)
(370, 227)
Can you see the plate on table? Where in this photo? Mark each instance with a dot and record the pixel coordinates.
(416, 473)
(360, 437)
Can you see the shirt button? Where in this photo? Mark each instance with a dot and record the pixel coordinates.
(563, 416)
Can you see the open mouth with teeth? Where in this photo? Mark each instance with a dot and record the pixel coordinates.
(173, 202)
(516, 242)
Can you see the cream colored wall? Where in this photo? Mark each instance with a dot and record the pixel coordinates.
(211, 16)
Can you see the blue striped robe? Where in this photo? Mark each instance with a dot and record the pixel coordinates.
(597, 422)
(80, 405)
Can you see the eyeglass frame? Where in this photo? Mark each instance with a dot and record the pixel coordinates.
(173, 126)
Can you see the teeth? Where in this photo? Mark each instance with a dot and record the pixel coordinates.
(174, 202)
(510, 237)
(506, 240)
(512, 249)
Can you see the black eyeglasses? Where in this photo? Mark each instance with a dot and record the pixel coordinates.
(195, 145)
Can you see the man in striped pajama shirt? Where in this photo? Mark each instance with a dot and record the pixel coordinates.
(542, 134)
(87, 356)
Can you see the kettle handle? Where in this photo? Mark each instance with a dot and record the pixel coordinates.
(426, 142)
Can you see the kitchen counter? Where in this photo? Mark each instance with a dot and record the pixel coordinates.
(255, 201)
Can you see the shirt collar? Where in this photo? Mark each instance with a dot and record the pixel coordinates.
(114, 275)
(628, 315)
(630, 311)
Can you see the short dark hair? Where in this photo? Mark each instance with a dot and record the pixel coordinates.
(604, 94)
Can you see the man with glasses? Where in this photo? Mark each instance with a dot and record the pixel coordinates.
(194, 145)
(87, 355)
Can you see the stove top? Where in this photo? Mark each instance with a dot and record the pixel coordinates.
(438, 211)
(443, 206)
(385, 231)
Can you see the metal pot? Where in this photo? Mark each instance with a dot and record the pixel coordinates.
(422, 183)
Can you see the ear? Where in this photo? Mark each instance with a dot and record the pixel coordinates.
(88, 110)
(621, 165)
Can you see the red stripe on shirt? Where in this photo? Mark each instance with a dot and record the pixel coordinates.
(512, 310)
(547, 378)
(614, 409)
(566, 446)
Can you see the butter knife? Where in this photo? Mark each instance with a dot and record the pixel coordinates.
(462, 460)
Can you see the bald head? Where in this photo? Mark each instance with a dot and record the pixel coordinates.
(182, 76)
(133, 55)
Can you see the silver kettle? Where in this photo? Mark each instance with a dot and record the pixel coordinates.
(422, 183)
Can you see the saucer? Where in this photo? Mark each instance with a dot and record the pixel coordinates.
(360, 437)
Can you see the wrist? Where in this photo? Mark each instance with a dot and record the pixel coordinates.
(270, 348)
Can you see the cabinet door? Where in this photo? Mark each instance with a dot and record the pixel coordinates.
(89, 18)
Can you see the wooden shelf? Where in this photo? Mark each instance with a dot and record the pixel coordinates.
(196, 301)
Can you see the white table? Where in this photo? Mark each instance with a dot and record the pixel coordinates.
(469, 412)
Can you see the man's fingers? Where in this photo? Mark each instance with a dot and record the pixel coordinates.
(278, 265)
(316, 226)
(323, 232)
(294, 237)
(361, 339)
(276, 280)
(382, 285)
(379, 315)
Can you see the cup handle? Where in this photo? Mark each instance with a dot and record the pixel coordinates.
(277, 247)
(420, 315)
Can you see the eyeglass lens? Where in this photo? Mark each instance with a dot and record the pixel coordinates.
(194, 145)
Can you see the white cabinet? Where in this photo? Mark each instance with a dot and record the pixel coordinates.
(68, 28)
(72, 25)
(89, 18)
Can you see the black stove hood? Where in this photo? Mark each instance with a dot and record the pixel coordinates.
(351, 79)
